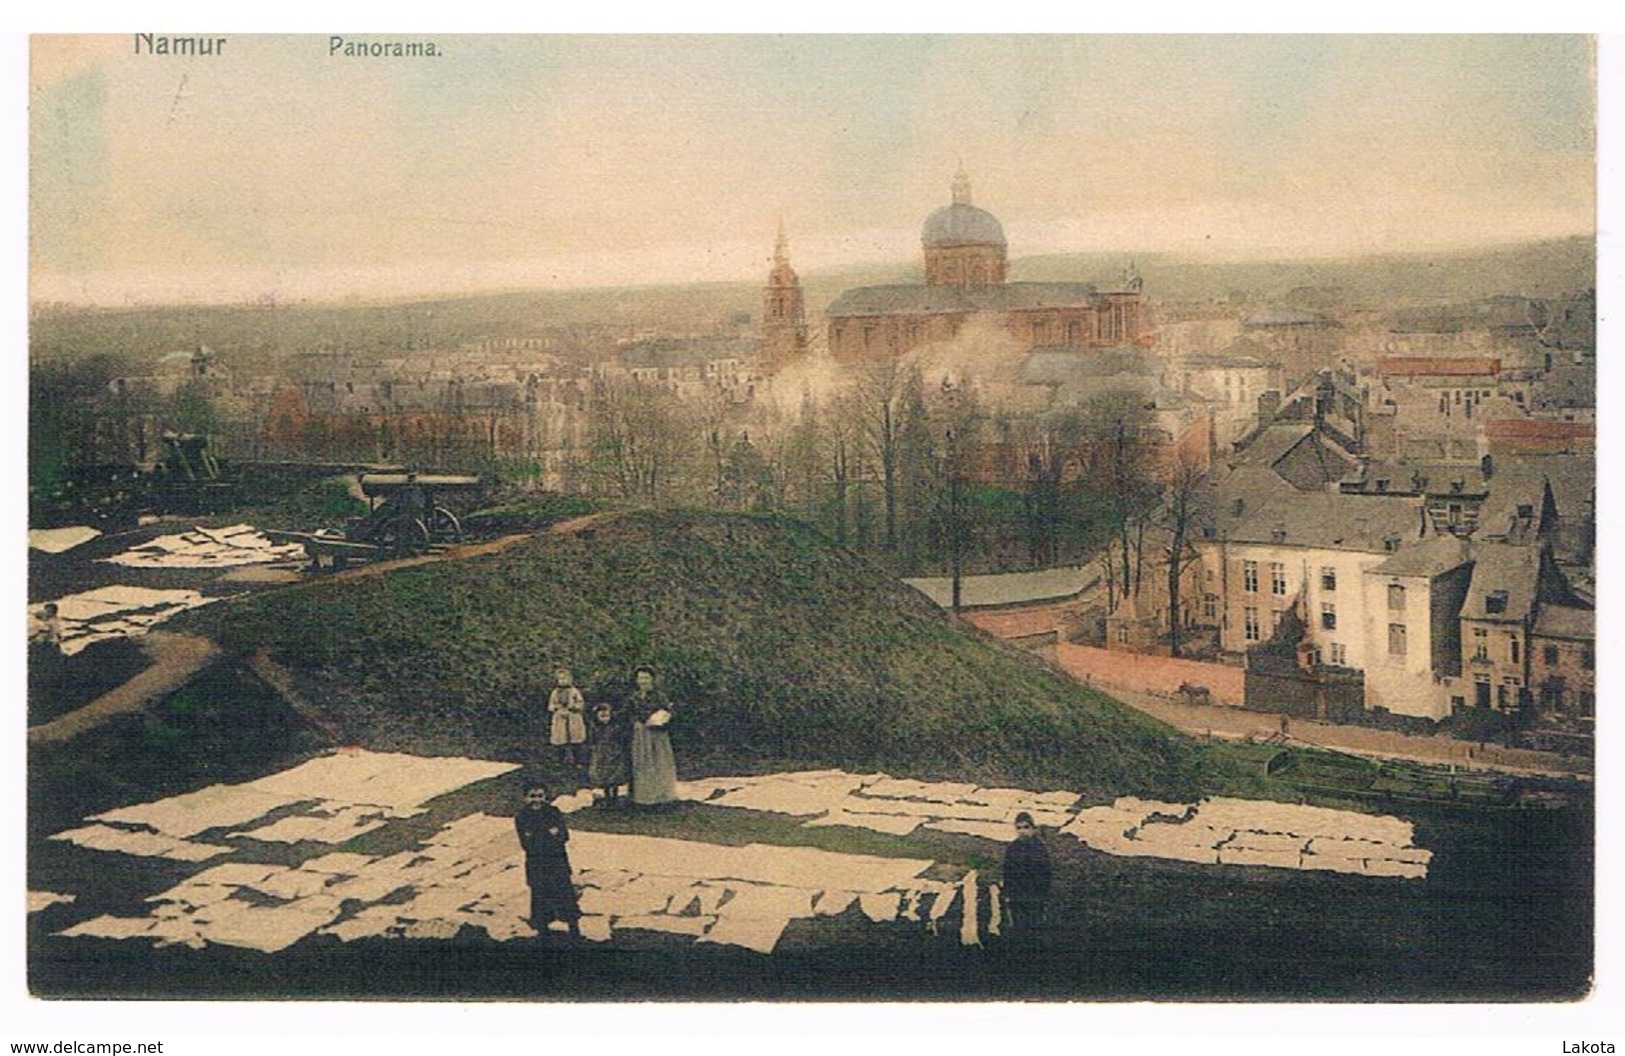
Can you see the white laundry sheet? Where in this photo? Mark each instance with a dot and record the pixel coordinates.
(1246, 856)
(785, 797)
(60, 540)
(240, 544)
(213, 807)
(1254, 832)
(806, 867)
(386, 779)
(891, 824)
(880, 906)
(988, 830)
(38, 900)
(142, 844)
(1273, 842)
(325, 825)
(118, 612)
(761, 934)
(1268, 816)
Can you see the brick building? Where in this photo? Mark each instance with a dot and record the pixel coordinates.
(966, 260)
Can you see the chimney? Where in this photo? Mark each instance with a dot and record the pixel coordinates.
(1269, 406)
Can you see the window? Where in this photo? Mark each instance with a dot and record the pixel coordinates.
(1550, 655)
(1340, 654)
(1210, 606)
(1275, 621)
(1495, 601)
(1250, 623)
(1512, 650)
(1396, 597)
(1328, 616)
(1122, 634)
(1328, 579)
(1249, 576)
(1396, 639)
(1453, 517)
(1277, 579)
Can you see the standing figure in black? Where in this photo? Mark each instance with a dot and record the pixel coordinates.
(1026, 881)
(543, 834)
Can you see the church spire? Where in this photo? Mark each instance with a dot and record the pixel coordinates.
(781, 248)
(961, 186)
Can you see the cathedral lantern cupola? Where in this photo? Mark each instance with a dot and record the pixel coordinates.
(964, 245)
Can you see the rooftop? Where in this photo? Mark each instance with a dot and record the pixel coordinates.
(1438, 366)
(1429, 557)
(1566, 621)
(963, 300)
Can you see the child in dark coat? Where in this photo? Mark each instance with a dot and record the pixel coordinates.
(1026, 880)
(543, 834)
(609, 763)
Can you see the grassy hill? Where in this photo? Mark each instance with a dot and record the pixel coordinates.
(778, 648)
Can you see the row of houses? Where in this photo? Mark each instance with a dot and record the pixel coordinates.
(1348, 584)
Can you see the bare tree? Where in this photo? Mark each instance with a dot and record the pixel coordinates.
(1184, 507)
(641, 436)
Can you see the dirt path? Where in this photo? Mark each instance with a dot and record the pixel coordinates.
(175, 659)
(1233, 723)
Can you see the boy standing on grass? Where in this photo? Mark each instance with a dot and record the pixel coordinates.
(1026, 881)
(543, 834)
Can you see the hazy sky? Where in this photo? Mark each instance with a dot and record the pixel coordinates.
(279, 169)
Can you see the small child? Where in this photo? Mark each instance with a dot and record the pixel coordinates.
(609, 762)
(567, 727)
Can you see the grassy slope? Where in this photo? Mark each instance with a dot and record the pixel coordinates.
(778, 648)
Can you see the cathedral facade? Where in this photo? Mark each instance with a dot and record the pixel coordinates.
(966, 259)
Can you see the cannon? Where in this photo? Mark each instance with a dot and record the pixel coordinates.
(405, 517)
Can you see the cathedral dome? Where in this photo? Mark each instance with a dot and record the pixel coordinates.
(962, 224)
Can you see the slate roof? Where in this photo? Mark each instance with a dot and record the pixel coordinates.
(1273, 511)
(1566, 621)
(918, 299)
(1430, 557)
(1502, 567)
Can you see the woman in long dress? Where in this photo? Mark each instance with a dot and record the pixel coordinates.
(654, 768)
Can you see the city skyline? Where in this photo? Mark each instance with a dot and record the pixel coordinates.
(513, 162)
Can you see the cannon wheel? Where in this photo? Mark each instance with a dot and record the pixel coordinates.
(404, 535)
(444, 525)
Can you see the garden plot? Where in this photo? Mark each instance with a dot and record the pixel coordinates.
(240, 544)
(1254, 832)
(118, 612)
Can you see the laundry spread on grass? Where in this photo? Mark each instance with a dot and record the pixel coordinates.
(60, 540)
(118, 612)
(1223, 831)
(330, 799)
(240, 544)
(470, 873)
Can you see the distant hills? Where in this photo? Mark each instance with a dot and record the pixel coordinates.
(1546, 269)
